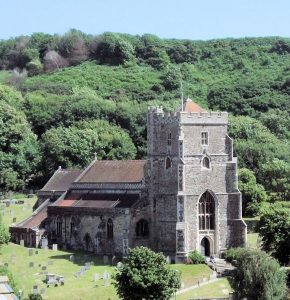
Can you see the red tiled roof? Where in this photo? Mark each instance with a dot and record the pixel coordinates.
(114, 171)
(61, 180)
(190, 106)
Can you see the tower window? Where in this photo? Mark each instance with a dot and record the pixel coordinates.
(110, 229)
(169, 139)
(142, 228)
(205, 162)
(204, 138)
(206, 212)
(168, 163)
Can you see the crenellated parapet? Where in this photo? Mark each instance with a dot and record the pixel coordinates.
(206, 118)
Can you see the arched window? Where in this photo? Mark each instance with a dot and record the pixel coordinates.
(206, 212)
(110, 229)
(142, 228)
(168, 163)
(59, 226)
(72, 226)
(169, 139)
(205, 162)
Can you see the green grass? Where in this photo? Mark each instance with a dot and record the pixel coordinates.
(191, 274)
(217, 289)
(252, 240)
(18, 211)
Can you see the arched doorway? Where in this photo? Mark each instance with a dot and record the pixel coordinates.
(205, 247)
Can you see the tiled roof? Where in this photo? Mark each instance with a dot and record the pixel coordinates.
(190, 106)
(98, 200)
(61, 180)
(113, 171)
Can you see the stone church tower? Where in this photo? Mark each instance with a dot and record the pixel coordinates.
(192, 183)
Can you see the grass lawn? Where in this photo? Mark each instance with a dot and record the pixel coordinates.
(19, 211)
(252, 240)
(217, 289)
(74, 289)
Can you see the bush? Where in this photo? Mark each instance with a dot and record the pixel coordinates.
(233, 254)
(195, 258)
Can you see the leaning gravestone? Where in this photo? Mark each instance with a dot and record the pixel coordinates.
(54, 247)
(22, 243)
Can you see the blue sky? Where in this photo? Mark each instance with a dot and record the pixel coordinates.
(190, 19)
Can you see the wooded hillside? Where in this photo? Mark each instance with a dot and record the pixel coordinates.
(62, 98)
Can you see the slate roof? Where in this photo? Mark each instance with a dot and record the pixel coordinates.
(105, 171)
(61, 180)
(190, 106)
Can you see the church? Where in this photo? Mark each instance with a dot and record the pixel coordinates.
(183, 197)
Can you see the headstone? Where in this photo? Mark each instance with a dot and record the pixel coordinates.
(10, 195)
(42, 291)
(72, 258)
(1, 196)
(30, 252)
(35, 289)
(36, 252)
(44, 243)
(54, 247)
(39, 265)
(7, 203)
(14, 220)
(50, 262)
(106, 259)
(31, 264)
(22, 243)
(43, 268)
(114, 260)
(106, 275)
(168, 259)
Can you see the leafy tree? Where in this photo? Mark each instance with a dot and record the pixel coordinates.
(253, 194)
(146, 275)
(277, 177)
(259, 277)
(34, 297)
(195, 257)
(76, 145)
(11, 96)
(19, 149)
(274, 229)
(54, 61)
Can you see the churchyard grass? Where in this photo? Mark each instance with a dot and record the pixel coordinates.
(217, 289)
(18, 211)
(74, 288)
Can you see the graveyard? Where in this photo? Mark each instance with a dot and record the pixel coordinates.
(58, 274)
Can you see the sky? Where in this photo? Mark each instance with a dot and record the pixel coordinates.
(188, 19)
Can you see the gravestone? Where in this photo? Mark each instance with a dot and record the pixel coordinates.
(72, 258)
(35, 289)
(168, 259)
(22, 243)
(106, 259)
(30, 252)
(43, 268)
(10, 195)
(1, 196)
(39, 265)
(96, 277)
(44, 243)
(54, 247)
(14, 220)
(36, 252)
(31, 264)
(106, 277)
(42, 291)
(50, 262)
(7, 203)
(87, 265)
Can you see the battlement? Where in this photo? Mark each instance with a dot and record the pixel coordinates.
(210, 117)
(159, 116)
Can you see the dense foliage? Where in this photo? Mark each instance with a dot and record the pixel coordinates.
(194, 257)
(146, 275)
(258, 276)
(274, 229)
(58, 81)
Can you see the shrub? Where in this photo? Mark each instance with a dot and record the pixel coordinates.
(195, 258)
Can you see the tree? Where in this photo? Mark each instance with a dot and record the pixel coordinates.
(19, 149)
(258, 276)
(274, 229)
(253, 194)
(146, 275)
(54, 61)
(34, 297)
(76, 145)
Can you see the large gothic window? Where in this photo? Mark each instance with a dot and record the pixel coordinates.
(206, 212)
(110, 229)
(58, 226)
(142, 228)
